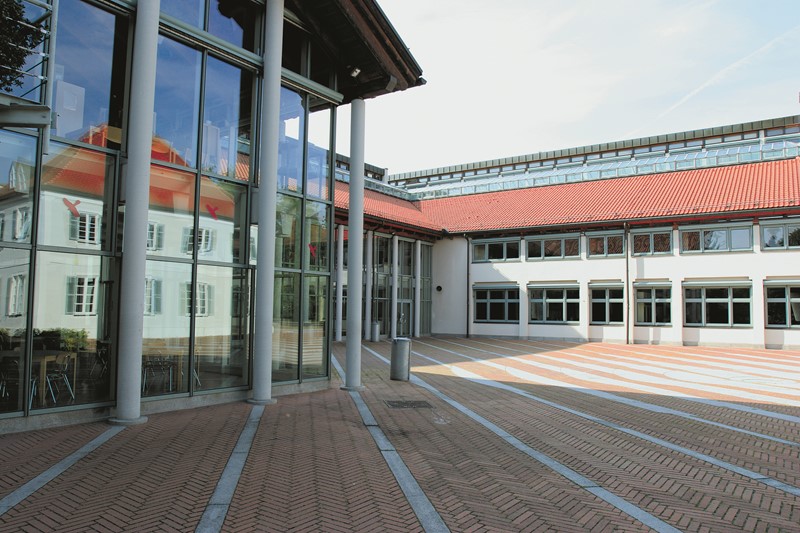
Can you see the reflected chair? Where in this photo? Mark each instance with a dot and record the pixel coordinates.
(59, 372)
(100, 364)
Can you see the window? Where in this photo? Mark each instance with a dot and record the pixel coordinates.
(607, 305)
(652, 242)
(81, 292)
(495, 251)
(155, 236)
(204, 303)
(497, 305)
(783, 306)
(653, 306)
(21, 223)
(204, 241)
(554, 247)
(717, 239)
(606, 245)
(85, 228)
(780, 237)
(152, 296)
(716, 306)
(557, 305)
(15, 296)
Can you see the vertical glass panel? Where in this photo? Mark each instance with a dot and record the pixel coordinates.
(17, 167)
(286, 322)
(690, 241)
(28, 36)
(177, 103)
(89, 89)
(496, 250)
(512, 250)
(552, 248)
(555, 311)
(235, 22)
(573, 312)
(794, 235)
(717, 313)
(662, 242)
(287, 232)
(14, 285)
(741, 313)
(534, 249)
(694, 313)
(663, 313)
(572, 247)
(479, 252)
(227, 120)
(776, 313)
(72, 322)
(740, 239)
(222, 334)
(537, 311)
(321, 66)
(615, 312)
(294, 48)
(641, 243)
(223, 213)
(165, 341)
(406, 259)
(715, 240)
(599, 311)
(615, 245)
(644, 312)
(316, 236)
(290, 141)
(773, 237)
(75, 207)
(188, 11)
(172, 213)
(597, 246)
(315, 326)
(319, 144)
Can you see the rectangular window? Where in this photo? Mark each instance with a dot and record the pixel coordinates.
(15, 296)
(81, 292)
(496, 305)
(717, 306)
(152, 296)
(553, 247)
(607, 305)
(780, 237)
(555, 305)
(483, 252)
(653, 306)
(204, 301)
(204, 241)
(21, 223)
(717, 239)
(606, 245)
(783, 306)
(155, 236)
(85, 228)
(653, 242)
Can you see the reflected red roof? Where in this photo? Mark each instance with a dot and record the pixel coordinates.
(385, 207)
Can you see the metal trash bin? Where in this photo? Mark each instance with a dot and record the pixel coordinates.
(401, 352)
(376, 332)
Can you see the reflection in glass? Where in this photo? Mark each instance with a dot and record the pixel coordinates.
(715, 240)
(286, 322)
(227, 120)
(76, 208)
(14, 284)
(773, 237)
(290, 147)
(171, 214)
(72, 349)
(235, 22)
(17, 164)
(222, 334)
(188, 11)
(177, 103)
(319, 142)
(740, 239)
(315, 326)
(316, 236)
(89, 90)
(287, 232)
(30, 86)
(165, 341)
(223, 214)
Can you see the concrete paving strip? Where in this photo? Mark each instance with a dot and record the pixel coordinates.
(755, 476)
(585, 483)
(428, 517)
(56, 470)
(217, 509)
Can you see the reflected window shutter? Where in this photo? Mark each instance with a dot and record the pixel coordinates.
(156, 296)
(71, 288)
(159, 236)
(73, 228)
(209, 300)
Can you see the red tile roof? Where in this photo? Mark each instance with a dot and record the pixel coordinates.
(385, 207)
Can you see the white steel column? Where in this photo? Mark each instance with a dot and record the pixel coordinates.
(267, 203)
(355, 248)
(137, 203)
(417, 286)
(368, 288)
(395, 281)
(339, 281)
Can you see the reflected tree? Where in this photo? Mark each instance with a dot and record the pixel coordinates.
(20, 37)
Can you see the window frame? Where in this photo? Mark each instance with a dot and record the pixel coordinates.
(653, 302)
(788, 300)
(787, 226)
(651, 241)
(605, 236)
(487, 243)
(608, 301)
(153, 296)
(561, 237)
(730, 300)
(488, 300)
(84, 287)
(16, 292)
(85, 228)
(565, 301)
(155, 236)
(727, 228)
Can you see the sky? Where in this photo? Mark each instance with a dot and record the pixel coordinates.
(515, 77)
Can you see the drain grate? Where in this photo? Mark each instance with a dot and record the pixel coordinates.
(408, 404)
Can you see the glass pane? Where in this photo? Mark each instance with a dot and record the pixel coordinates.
(694, 313)
(513, 311)
(479, 252)
(165, 341)
(776, 292)
(72, 328)
(740, 239)
(794, 292)
(290, 146)
(321, 66)
(497, 311)
(573, 294)
(643, 294)
(741, 313)
(615, 245)
(716, 292)
(615, 312)
(663, 313)
(573, 312)
(227, 120)
(615, 293)
(188, 11)
(664, 293)
(773, 237)
(644, 312)
(28, 36)
(512, 250)
(223, 210)
(641, 244)
(552, 248)
(293, 50)
(17, 163)
(235, 22)
(480, 295)
(690, 241)
(534, 249)
(555, 312)
(481, 311)
(75, 209)
(571, 247)
(287, 232)
(172, 213)
(316, 236)
(315, 326)
(89, 91)
(597, 246)
(693, 293)
(286, 324)
(776, 313)
(598, 294)
(741, 292)
(496, 250)
(177, 103)
(662, 242)
(715, 240)
(794, 235)
(598, 311)
(556, 294)
(497, 295)
(319, 143)
(717, 313)
(536, 311)
(405, 261)
(13, 327)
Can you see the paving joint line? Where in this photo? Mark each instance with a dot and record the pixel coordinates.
(16, 497)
